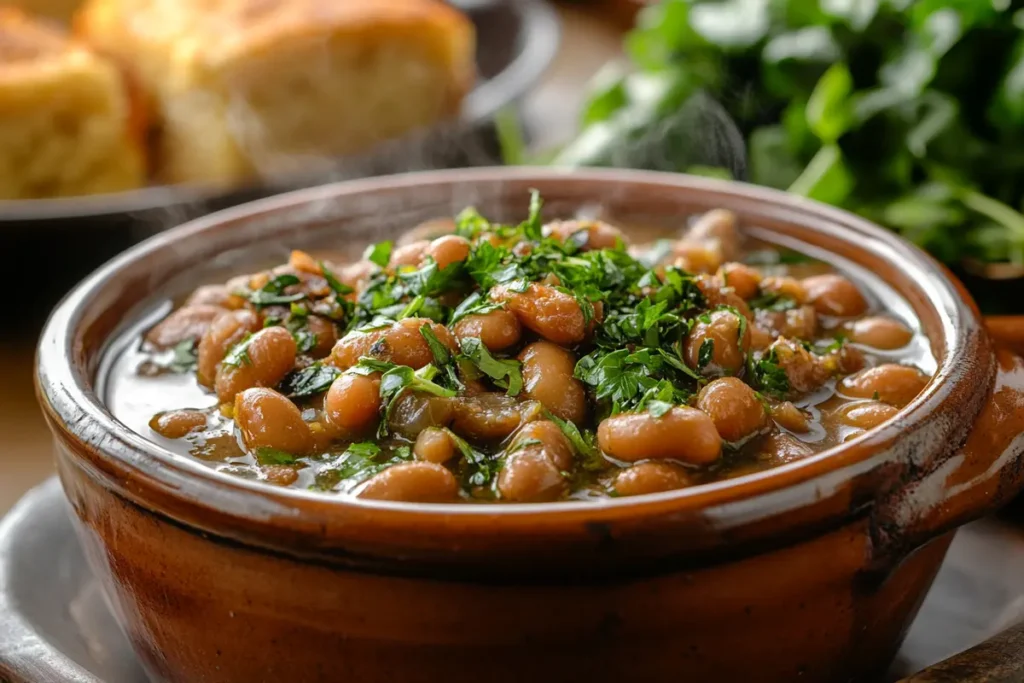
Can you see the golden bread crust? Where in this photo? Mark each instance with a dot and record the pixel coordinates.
(247, 87)
(68, 124)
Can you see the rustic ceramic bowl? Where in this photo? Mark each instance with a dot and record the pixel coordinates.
(810, 571)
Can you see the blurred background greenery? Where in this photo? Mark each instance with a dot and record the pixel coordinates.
(908, 113)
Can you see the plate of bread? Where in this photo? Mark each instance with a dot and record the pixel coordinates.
(122, 106)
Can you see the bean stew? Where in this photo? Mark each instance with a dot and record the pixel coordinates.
(481, 362)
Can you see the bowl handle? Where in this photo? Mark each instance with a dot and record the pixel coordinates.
(1000, 658)
(986, 473)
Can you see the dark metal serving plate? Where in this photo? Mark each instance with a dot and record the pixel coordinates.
(56, 628)
(516, 41)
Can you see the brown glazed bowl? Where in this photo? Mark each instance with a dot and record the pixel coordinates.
(811, 571)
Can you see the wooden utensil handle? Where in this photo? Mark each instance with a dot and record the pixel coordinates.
(999, 659)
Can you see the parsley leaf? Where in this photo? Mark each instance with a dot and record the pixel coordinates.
(272, 293)
(379, 253)
(479, 469)
(238, 355)
(474, 304)
(772, 301)
(505, 373)
(184, 358)
(705, 353)
(310, 380)
(584, 442)
(272, 456)
(334, 283)
(531, 227)
(395, 380)
(768, 376)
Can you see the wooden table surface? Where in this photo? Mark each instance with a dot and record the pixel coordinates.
(588, 41)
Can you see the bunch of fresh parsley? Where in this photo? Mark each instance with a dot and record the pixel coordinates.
(910, 113)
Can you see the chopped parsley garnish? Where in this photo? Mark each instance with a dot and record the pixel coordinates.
(359, 462)
(505, 374)
(238, 355)
(768, 376)
(334, 283)
(271, 456)
(585, 442)
(773, 301)
(379, 253)
(474, 304)
(310, 380)
(184, 358)
(272, 293)
(705, 353)
(396, 380)
(629, 378)
(479, 469)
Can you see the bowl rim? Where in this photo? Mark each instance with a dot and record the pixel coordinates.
(78, 415)
(537, 48)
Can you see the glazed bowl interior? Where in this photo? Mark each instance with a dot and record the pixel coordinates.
(139, 287)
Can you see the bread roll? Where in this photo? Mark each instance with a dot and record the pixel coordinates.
(68, 125)
(57, 10)
(250, 87)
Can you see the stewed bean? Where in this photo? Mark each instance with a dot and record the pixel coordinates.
(402, 343)
(865, 414)
(412, 482)
(548, 377)
(784, 287)
(552, 314)
(434, 445)
(682, 433)
(268, 357)
(175, 424)
(498, 329)
(448, 250)
(835, 295)
(880, 333)
(893, 384)
(720, 332)
(743, 279)
(488, 417)
(409, 254)
(215, 295)
(651, 477)
(790, 417)
(587, 234)
(353, 402)
(530, 475)
(326, 335)
(190, 322)
(734, 408)
(550, 436)
(268, 419)
(226, 330)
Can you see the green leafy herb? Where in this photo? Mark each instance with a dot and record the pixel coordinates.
(474, 304)
(272, 293)
(768, 376)
(479, 469)
(658, 408)
(271, 456)
(773, 301)
(310, 380)
(238, 355)
(871, 106)
(504, 373)
(705, 353)
(395, 380)
(585, 442)
(334, 283)
(184, 358)
(379, 253)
